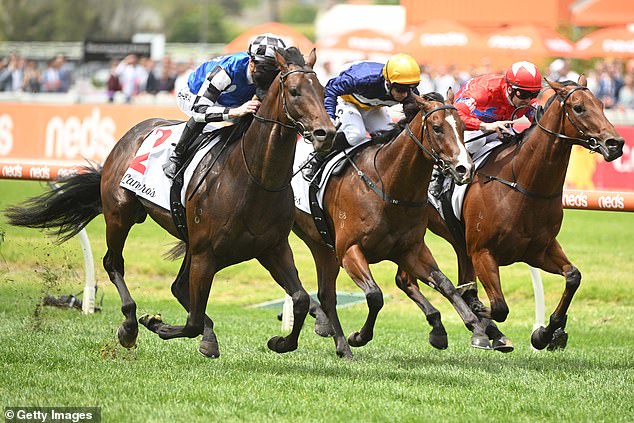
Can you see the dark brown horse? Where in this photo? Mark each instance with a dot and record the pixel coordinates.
(512, 211)
(389, 223)
(241, 210)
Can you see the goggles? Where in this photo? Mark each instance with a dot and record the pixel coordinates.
(402, 88)
(525, 94)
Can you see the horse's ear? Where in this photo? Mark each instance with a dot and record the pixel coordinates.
(281, 61)
(421, 102)
(450, 97)
(555, 85)
(312, 58)
(583, 81)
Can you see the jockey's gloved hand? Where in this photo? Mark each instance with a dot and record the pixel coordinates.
(501, 127)
(250, 106)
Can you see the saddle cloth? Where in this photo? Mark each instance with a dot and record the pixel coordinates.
(145, 176)
(459, 191)
(300, 185)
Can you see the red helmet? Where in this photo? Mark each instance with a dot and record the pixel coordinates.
(525, 76)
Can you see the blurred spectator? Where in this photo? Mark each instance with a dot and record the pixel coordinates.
(626, 95)
(183, 71)
(64, 72)
(131, 76)
(113, 84)
(31, 79)
(610, 84)
(426, 84)
(559, 70)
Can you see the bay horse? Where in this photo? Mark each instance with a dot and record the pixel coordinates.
(242, 210)
(512, 210)
(389, 223)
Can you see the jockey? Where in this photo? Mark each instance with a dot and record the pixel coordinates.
(222, 89)
(489, 104)
(358, 97)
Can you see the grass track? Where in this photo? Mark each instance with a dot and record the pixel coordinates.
(53, 357)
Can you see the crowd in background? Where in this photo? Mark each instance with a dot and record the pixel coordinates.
(612, 81)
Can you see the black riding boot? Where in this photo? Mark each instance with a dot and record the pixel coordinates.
(174, 163)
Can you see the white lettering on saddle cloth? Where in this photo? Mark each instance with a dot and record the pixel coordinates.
(145, 176)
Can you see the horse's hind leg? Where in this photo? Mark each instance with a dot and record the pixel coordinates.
(119, 220)
(409, 285)
(356, 265)
(180, 289)
(279, 262)
(554, 335)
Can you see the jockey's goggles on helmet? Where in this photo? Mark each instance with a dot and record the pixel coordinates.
(402, 88)
(525, 94)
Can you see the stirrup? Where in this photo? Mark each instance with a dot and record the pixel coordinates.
(170, 169)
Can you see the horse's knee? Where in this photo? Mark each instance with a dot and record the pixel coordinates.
(573, 279)
(301, 302)
(499, 311)
(374, 299)
(129, 309)
(402, 280)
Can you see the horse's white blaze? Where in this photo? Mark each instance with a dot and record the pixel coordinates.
(463, 156)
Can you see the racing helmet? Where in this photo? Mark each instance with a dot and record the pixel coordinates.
(524, 76)
(402, 69)
(262, 47)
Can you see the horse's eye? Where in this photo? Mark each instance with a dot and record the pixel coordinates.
(437, 129)
(577, 108)
(294, 92)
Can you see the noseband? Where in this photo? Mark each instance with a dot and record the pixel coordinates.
(296, 125)
(589, 142)
(442, 165)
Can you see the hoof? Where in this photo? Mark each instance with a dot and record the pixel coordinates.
(345, 353)
(127, 339)
(538, 338)
(559, 341)
(147, 319)
(209, 349)
(280, 344)
(356, 340)
(481, 342)
(438, 340)
(324, 329)
(503, 344)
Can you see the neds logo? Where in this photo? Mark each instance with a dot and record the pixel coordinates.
(575, 200)
(91, 138)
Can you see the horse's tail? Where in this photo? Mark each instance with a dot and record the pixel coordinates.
(176, 252)
(65, 209)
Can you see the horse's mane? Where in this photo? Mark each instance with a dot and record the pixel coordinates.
(410, 109)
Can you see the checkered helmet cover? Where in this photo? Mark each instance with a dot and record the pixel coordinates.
(263, 46)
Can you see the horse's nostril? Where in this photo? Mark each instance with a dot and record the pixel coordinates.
(614, 144)
(461, 170)
(320, 133)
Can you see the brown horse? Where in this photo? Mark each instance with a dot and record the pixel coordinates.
(241, 210)
(369, 228)
(512, 211)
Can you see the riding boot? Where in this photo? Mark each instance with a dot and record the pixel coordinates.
(174, 163)
(436, 183)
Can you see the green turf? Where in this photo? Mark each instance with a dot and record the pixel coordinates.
(53, 357)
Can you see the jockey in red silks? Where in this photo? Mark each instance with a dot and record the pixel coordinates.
(489, 104)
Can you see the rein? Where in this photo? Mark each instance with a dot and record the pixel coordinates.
(432, 153)
(591, 143)
(296, 125)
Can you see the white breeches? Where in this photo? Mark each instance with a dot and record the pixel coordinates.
(476, 148)
(357, 122)
(185, 101)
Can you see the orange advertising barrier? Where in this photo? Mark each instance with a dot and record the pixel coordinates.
(598, 200)
(37, 140)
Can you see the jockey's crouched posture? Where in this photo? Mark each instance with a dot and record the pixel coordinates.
(358, 97)
(488, 104)
(223, 89)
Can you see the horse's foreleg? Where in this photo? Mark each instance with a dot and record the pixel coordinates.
(201, 275)
(488, 272)
(423, 267)
(409, 285)
(279, 262)
(554, 335)
(356, 265)
(180, 289)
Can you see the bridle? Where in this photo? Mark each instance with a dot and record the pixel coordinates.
(295, 124)
(430, 152)
(438, 161)
(589, 142)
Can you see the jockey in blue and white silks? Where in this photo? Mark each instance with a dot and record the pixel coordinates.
(223, 89)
